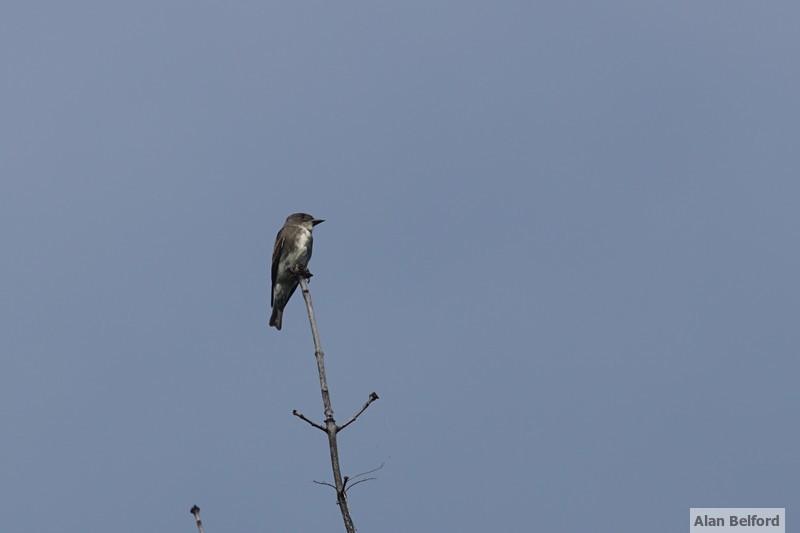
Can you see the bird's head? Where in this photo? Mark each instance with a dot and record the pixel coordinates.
(303, 219)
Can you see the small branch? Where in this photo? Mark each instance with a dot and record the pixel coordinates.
(367, 472)
(324, 483)
(301, 416)
(359, 481)
(372, 397)
(349, 479)
(195, 510)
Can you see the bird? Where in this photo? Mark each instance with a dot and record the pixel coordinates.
(290, 257)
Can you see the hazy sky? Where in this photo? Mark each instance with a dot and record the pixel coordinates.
(561, 244)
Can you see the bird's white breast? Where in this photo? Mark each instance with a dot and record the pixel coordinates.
(302, 238)
(299, 252)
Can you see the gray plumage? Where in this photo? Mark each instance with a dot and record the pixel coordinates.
(290, 257)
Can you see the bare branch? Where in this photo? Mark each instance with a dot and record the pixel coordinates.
(195, 510)
(372, 397)
(301, 416)
(367, 472)
(330, 423)
(359, 481)
(324, 483)
(349, 479)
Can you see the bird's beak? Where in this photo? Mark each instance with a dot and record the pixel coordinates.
(317, 221)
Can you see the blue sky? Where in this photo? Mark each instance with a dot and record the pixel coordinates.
(561, 244)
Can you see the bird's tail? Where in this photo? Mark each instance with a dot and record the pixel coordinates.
(276, 318)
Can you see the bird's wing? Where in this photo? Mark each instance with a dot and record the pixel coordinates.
(276, 257)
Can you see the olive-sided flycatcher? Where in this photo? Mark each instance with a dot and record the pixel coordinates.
(290, 261)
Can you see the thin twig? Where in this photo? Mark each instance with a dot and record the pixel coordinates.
(367, 472)
(324, 483)
(372, 397)
(301, 416)
(359, 481)
(195, 510)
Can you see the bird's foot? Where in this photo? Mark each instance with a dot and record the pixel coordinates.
(301, 272)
